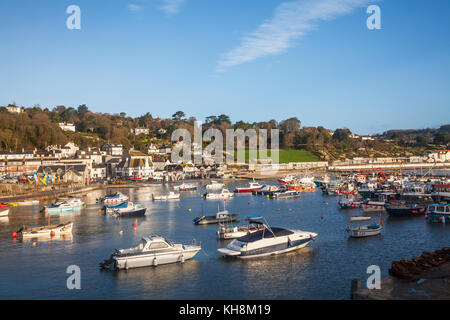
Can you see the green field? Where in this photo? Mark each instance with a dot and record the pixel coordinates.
(290, 155)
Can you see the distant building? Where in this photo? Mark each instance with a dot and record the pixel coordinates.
(152, 149)
(438, 156)
(15, 109)
(67, 126)
(367, 138)
(98, 171)
(94, 154)
(135, 165)
(113, 149)
(138, 131)
(69, 150)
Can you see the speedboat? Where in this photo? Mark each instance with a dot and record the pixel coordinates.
(225, 194)
(171, 196)
(252, 186)
(114, 199)
(132, 209)
(286, 180)
(220, 217)
(64, 206)
(214, 185)
(233, 232)
(268, 190)
(185, 187)
(439, 213)
(151, 251)
(268, 241)
(366, 230)
(50, 230)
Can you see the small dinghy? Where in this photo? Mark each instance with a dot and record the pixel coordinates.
(185, 187)
(171, 196)
(152, 251)
(365, 230)
(45, 231)
(132, 209)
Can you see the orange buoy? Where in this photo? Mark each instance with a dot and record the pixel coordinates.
(134, 224)
(52, 233)
(263, 203)
(134, 229)
(14, 234)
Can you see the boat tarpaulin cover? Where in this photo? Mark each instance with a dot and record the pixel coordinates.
(265, 234)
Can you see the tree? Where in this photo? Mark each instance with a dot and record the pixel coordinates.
(178, 116)
(82, 110)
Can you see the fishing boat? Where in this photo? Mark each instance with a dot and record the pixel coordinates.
(185, 187)
(286, 180)
(417, 193)
(114, 199)
(438, 213)
(45, 231)
(349, 203)
(4, 212)
(63, 206)
(366, 230)
(288, 194)
(214, 185)
(220, 217)
(4, 205)
(373, 206)
(227, 232)
(111, 208)
(248, 189)
(28, 203)
(441, 192)
(225, 194)
(405, 209)
(132, 209)
(151, 251)
(171, 196)
(268, 241)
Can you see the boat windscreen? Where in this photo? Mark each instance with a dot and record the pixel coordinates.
(265, 233)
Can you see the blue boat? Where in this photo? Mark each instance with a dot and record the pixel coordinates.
(117, 206)
(438, 213)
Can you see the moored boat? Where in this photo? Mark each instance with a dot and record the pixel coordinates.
(438, 213)
(227, 232)
(225, 194)
(248, 189)
(4, 212)
(45, 231)
(132, 209)
(185, 187)
(151, 251)
(171, 196)
(214, 185)
(365, 230)
(63, 206)
(397, 209)
(114, 199)
(220, 217)
(288, 194)
(268, 241)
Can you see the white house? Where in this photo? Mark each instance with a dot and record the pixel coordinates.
(138, 131)
(98, 171)
(112, 149)
(438, 156)
(67, 126)
(69, 150)
(135, 165)
(15, 109)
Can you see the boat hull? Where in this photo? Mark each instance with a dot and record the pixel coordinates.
(438, 218)
(362, 233)
(138, 212)
(214, 220)
(405, 211)
(152, 259)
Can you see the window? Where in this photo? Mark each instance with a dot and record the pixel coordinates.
(158, 245)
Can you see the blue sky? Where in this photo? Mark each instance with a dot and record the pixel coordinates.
(253, 60)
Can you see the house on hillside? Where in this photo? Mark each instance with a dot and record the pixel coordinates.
(135, 165)
(67, 126)
(15, 109)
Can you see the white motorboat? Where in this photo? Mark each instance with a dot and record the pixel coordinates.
(268, 241)
(114, 199)
(366, 230)
(64, 206)
(171, 196)
(132, 209)
(220, 217)
(225, 194)
(152, 251)
(214, 185)
(28, 203)
(185, 187)
(45, 231)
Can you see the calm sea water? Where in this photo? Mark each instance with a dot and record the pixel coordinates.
(321, 271)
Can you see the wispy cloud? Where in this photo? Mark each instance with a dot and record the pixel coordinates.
(290, 22)
(172, 6)
(134, 7)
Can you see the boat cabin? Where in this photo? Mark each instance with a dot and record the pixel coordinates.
(437, 208)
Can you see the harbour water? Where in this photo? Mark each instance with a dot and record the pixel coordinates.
(36, 269)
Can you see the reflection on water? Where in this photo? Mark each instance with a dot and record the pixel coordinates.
(321, 271)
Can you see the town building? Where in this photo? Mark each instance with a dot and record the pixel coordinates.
(135, 165)
(15, 109)
(112, 149)
(138, 131)
(67, 126)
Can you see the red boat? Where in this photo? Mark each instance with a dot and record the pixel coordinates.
(286, 180)
(252, 186)
(3, 205)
